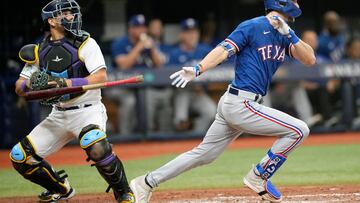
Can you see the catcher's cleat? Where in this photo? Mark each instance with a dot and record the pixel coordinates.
(141, 190)
(48, 196)
(127, 198)
(262, 187)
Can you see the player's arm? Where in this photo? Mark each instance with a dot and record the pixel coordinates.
(303, 53)
(214, 58)
(94, 61)
(157, 57)
(94, 78)
(298, 49)
(21, 86)
(126, 61)
(97, 77)
(28, 54)
(211, 60)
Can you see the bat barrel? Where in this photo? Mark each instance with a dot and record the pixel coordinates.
(43, 94)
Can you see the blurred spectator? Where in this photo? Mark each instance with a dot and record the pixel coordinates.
(353, 53)
(138, 50)
(195, 101)
(208, 34)
(331, 39)
(158, 99)
(135, 50)
(320, 90)
(156, 31)
(353, 49)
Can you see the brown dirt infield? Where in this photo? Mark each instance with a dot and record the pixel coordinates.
(339, 193)
(131, 151)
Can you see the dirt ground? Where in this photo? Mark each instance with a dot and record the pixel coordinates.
(342, 193)
(132, 151)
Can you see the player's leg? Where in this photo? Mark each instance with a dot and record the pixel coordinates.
(263, 120)
(93, 140)
(217, 138)
(28, 156)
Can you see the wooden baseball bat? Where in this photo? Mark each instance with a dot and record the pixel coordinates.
(42, 94)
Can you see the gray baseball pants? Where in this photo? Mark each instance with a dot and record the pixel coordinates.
(236, 114)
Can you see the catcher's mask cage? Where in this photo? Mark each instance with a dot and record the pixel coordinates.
(56, 8)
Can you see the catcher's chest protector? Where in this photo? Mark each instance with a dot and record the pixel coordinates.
(61, 58)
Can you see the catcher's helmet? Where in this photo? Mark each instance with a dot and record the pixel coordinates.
(287, 7)
(55, 8)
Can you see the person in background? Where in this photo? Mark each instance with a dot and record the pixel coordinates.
(320, 91)
(331, 39)
(156, 32)
(136, 50)
(189, 52)
(353, 54)
(158, 99)
(208, 32)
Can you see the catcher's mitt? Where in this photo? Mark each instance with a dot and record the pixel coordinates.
(40, 80)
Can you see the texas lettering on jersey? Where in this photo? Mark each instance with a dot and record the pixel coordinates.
(260, 51)
(273, 52)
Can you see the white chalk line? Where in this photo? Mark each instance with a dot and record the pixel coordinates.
(248, 199)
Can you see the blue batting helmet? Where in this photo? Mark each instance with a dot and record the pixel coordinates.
(55, 8)
(287, 7)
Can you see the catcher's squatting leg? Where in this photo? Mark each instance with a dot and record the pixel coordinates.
(98, 149)
(36, 169)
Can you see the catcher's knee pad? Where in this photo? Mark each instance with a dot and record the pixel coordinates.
(34, 168)
(94, 142)
(18, 154)
(24, 153)
(274, 163)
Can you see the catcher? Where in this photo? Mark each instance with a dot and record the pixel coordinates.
(66, 57)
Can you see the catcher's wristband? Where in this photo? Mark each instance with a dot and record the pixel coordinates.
(197, 69)
(23, 86)
(77, 82)
(293, 37)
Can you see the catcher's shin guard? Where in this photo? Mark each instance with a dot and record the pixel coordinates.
(94, 142)
(35, 169)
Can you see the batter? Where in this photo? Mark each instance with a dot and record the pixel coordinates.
(66, 57)
(261, 45)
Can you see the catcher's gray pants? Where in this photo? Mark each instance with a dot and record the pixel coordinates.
(236, 114)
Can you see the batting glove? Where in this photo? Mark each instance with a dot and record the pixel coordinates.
(284, 29)
(182, 77)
